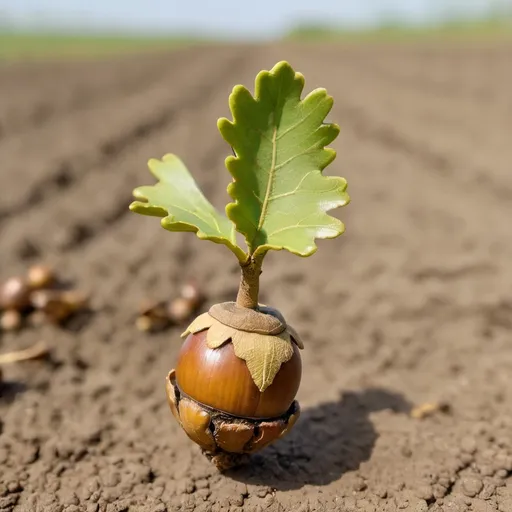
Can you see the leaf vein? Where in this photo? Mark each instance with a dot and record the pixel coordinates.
(300, 121)
(296, 189)
(297, 226)
(198, 216)
(298, 155)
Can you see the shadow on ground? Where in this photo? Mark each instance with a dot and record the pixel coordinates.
(9, 390)
(327, 441)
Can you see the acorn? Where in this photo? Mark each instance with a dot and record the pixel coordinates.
(180, 310)
(40, 276)
(10, 320)
(224, 400)
(153, 316)
(147, 323)
(58, 305)
(193, 294)
(14, 294)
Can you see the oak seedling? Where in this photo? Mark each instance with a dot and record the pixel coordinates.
(239, 369)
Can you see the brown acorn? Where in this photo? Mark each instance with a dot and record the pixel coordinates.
(221, 380)
(223, 402)
(40, 276)
(10, 320)
(152, 317)
(192, 293)
(14, 294)
(58, 305)
(180, 310)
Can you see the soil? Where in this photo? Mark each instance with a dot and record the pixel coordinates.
(413, 305)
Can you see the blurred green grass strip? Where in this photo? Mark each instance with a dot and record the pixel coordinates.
(33, 46)
(488, 29)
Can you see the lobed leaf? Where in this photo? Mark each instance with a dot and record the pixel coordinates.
(177, 198)
(281, 197)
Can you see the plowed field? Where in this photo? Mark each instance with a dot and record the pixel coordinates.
(413, 304)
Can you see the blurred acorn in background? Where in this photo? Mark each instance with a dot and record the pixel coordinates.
(40, 276)
(152, 316)
(38, 295)
(156, 316)
(58, 305)
(14, 293)
(10, 320)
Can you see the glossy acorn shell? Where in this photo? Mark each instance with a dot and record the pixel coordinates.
(219, 379)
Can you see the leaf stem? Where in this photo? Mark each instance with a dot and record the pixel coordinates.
(249, 288)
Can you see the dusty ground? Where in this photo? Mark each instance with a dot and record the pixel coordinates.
(413, 304)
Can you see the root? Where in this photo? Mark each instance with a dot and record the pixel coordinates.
(224, 460)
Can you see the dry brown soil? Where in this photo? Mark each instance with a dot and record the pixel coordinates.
(412, 305)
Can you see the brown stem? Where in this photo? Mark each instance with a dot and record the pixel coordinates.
(249, 284)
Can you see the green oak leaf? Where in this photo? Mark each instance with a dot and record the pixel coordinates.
(177, 198)
(281, 196)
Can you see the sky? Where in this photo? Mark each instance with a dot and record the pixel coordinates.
(251, 18)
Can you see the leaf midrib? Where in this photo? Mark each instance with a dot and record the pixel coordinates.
(271, 173)
(195, 214)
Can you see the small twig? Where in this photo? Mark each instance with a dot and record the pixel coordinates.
(428, 409)
(36, 351)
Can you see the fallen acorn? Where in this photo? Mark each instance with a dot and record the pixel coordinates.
(180, 310)
(40, 276)
(239, 369)
(10, 320)
(14, 293)
(146, 323)
(58, 305)
(151, 307)
(191, 292)
(153, 316)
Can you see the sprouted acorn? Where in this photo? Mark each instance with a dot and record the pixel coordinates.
(239, 369)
